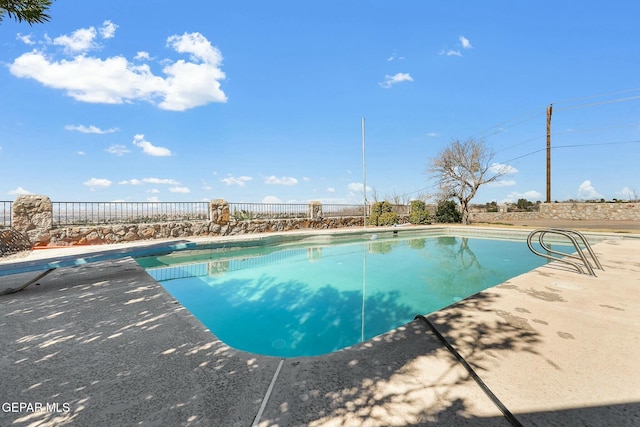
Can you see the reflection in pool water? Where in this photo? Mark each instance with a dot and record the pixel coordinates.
(301, 301)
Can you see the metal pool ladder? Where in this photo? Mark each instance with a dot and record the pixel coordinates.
(573, 236)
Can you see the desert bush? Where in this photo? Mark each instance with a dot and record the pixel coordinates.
(447, 211)
(418, 213)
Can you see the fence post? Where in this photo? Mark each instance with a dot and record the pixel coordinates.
(32, 212)
(219, 211)
(315, 210)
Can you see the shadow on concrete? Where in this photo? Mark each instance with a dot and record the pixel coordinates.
(104, 344)
(407, 378)
(404, 378)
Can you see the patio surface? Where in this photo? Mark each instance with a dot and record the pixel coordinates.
(103, 344)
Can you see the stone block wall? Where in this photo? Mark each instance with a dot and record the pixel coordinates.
(593, 211)
(33, 215)
(96, 235)
(568, 211)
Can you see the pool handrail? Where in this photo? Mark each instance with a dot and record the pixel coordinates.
(570, 235)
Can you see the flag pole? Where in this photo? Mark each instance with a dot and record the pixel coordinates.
(364, 179)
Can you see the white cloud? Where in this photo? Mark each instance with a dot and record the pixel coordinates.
(285, 180)
(25, 39)
(191, 84)
(153, 191)
(331, 190)
(502, 169)
(19, 192)
(90, 129)
(108, 29)
(627, 193)
(587, 191)
(395, 57)
(502, 183)
(450, 52)
(159, 181)
(149, 148)
(118, 150)
(239, 181)
(514, 196)
(466, 44)
(142, 56)
(395, 79)
(167, 181)
(183, 190)
(271, 199)
(81, 40)
(84, 39)
(433, 134)
(115, 80)
(94, 183)
(358, 186)
(152, 199)
(131, 182)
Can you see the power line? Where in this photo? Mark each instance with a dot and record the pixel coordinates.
(593, 104)
(500, 126)
(532, 153)
(597, 95)
(538, 112)
(595, 129)
(571, 146)
(567, 132)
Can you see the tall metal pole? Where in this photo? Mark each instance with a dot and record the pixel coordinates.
(364, 179)
(549, 111)
(364, 290)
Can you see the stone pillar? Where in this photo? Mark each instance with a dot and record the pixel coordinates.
(315, 210)
(32, 212)
(219, 212)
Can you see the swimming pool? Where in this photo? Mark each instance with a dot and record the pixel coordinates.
(305, 299)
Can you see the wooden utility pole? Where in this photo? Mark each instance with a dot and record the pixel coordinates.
(549, 110)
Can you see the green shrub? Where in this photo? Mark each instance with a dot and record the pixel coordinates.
(418, 213)
(243, 215)
(447, 211)
(380, 214)
(388, 218)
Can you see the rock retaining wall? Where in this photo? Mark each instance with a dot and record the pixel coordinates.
(568, 211)
(96, 235)
(591, 211)
(32, 214)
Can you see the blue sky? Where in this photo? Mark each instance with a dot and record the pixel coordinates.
(255, 101)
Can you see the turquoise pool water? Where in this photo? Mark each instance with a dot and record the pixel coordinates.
(314, 299)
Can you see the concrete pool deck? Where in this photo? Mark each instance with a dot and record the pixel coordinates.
(103, 344)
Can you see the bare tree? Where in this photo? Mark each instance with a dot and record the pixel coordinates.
(461, 168)
(397, 198)
(31, 11)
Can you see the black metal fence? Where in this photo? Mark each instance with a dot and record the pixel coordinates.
(249, 211)
(5, 214)
(98, 213)
(95, 213)
(340, 210)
